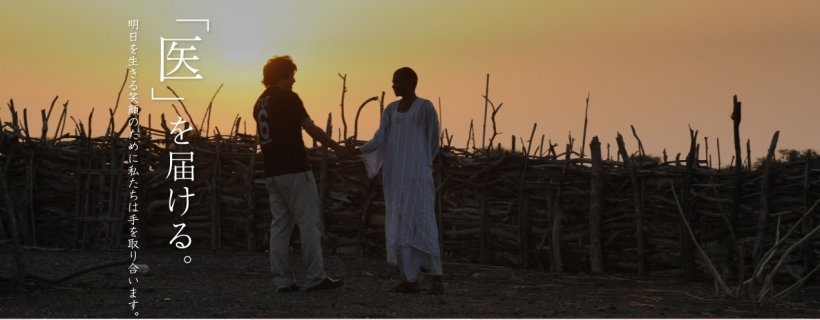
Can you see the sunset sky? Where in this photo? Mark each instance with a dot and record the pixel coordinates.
(658, 65)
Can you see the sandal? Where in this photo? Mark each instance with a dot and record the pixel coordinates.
(406, 287)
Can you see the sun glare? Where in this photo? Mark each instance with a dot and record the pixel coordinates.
(245, 37)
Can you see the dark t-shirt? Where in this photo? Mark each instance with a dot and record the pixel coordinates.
(278, 113)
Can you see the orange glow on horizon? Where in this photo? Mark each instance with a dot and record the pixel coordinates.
(658, 66)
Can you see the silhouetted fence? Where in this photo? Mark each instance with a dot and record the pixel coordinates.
(541, 209)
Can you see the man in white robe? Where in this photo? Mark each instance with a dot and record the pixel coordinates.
(404, 146)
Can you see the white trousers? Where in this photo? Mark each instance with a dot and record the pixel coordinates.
(294, 200)
(412, 260)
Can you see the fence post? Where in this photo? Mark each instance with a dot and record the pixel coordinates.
(685, 241)
(596, 254)
(636, 192)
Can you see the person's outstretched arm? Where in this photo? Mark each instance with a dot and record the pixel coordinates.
(381, 134)
(319, 134)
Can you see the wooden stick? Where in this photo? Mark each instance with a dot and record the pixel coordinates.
(217, 179)
(86, 194)
(117, 215)
(235, 129)
(342, 105)
(190, 118)
(485, 245)
(365, 218)
(686, 214)
(708, 157)
(109, 130)
(523, 215)
(61, 123)
(176, 111)
(808, 252)
(90, 116)
(12, 227)
(584, 137)
(486, 103)
(358, 112)
(15, 122)
(78, 225)
(30, 184)
(51, 108)
(207, 125)
(25, 124)
(234, 125)
(736, 200)
(640, 144)
(77, 128)
(117, 102)
(249, 230)
(757, 252)
(638, 204)
(470, 135)
(492, 118)
(381, 104)
(529, 143)
(596, 253)
(323, 176)
(718, 152)
(44, 130)
(710, 267)
(558, 216)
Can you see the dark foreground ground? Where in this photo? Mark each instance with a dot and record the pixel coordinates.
(221, 285)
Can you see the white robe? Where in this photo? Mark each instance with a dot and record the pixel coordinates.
(404, 146)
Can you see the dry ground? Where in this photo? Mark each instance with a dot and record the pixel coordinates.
(222, 285)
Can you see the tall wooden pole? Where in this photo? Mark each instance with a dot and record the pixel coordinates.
(636, 193)
(596, 252)
(685, 240)
(486, 103)
(586, 121)
(763, 215)
(738, 180)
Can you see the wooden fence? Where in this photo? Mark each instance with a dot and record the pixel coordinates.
(559, 211)
(551, 211)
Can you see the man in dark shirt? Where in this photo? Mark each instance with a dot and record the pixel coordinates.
(280, 117)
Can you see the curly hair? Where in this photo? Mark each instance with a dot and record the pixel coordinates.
(278, 67)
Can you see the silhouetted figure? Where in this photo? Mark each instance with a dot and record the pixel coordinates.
(280, 117)
(404, 146)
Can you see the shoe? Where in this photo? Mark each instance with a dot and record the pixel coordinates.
(437, 287)
(326, 284)
(292, 288)
(406, 287)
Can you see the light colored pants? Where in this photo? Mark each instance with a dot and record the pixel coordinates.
(412, 260)
(294, 200)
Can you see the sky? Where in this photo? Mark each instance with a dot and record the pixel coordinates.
(661, 66)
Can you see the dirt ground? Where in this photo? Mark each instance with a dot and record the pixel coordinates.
(230, 285)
